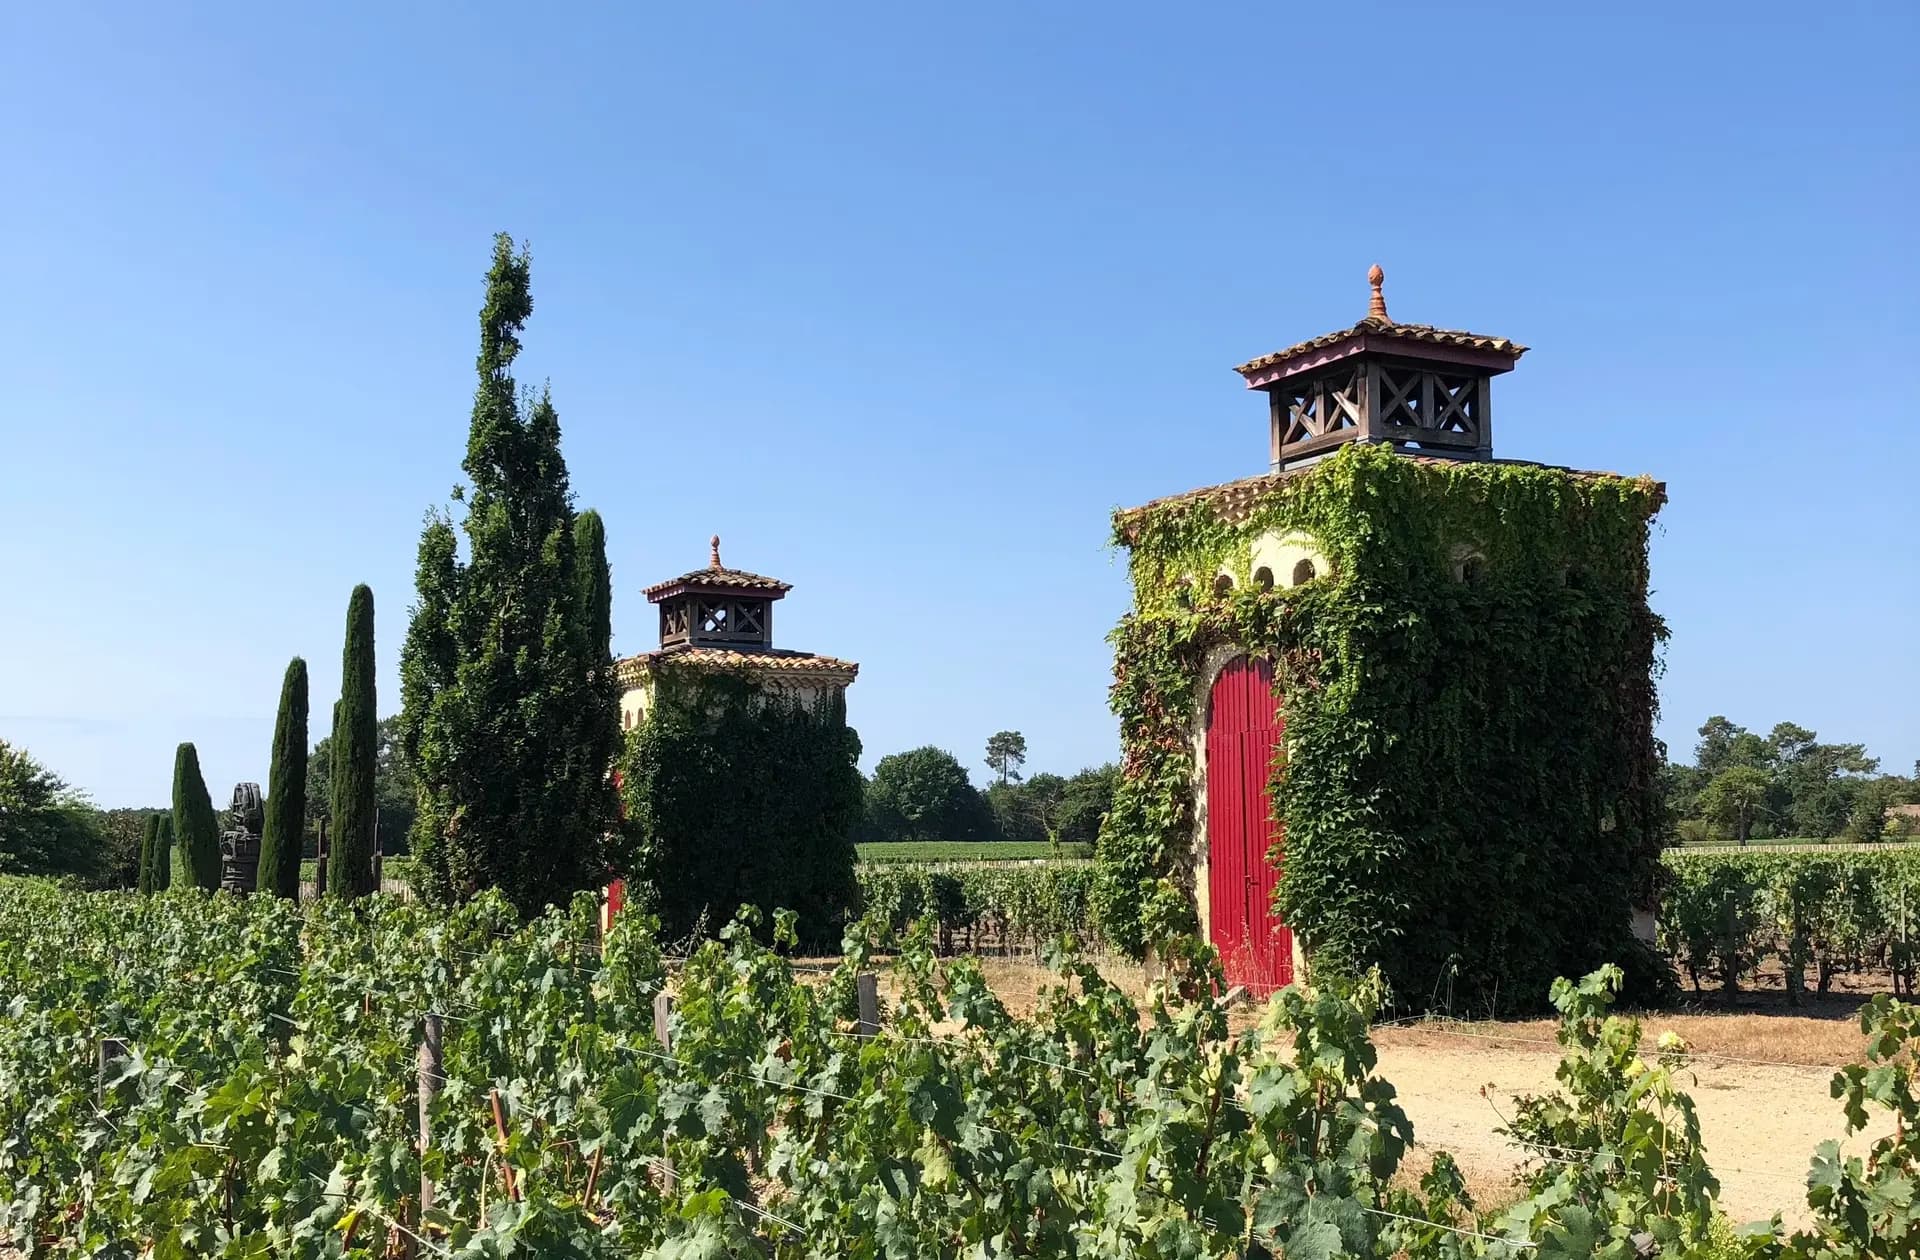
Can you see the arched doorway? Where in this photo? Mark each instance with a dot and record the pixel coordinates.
(1243, 730)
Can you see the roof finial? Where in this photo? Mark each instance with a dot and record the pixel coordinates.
(1377, 304)
(714, 561)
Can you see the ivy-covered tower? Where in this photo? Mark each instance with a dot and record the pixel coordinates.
(740, 779)
(1390, 702)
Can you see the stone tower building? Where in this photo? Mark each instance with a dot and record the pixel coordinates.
(720, 620)
(1388, 702)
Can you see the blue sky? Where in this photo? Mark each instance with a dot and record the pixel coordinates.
(903, 302)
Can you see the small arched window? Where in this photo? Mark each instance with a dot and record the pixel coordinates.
(1223, 585)
(1263, 578)
(1304, 572)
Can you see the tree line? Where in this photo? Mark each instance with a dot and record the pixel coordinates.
(500, 769)
(926, 794)
(1785, 784)
(498, 764)
(49, 828)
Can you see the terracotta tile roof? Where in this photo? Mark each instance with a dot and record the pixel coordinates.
(721, 579)
(784, 661)
(1234, 501)
(717, 576)
(1376, 327)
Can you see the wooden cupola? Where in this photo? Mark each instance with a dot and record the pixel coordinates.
(717, 606)
(1419, 387)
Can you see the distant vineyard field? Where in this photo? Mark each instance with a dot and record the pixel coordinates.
(971, 851)
(1834, 909)
(1002, 905)
(401, 867)
(1792, 845)
(394, 868)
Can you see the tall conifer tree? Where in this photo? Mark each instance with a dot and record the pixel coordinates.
(286, 788)
(597, 740)
(150, 854)
(196, 830)
(356, 742)
(163, 852)
(501, 664)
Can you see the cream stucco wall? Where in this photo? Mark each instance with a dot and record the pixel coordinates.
(637, 699)
(1280, 553)
(634, 703)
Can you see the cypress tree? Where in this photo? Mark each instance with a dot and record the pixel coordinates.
(196, 831)
(163, 852)
(505, 676)
(149, 854)
(286, 788)
(355, 747)
(597, 741)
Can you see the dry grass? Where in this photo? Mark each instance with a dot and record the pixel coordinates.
(1756, 1025)
(1016, 979)
(1816, 1039)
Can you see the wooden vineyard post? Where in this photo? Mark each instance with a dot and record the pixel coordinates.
(1731, 981)
(663, 1033)
(662, 1020)
(379, 855)
(868, 986)
(112, 1050)
(433, 1074)
(1905, 959)
(500, 1132)
(320, 862)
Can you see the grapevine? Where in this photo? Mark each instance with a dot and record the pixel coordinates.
(194, 1075)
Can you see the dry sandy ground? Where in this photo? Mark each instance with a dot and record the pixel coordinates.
(1760, 1123)
(1761, 1073)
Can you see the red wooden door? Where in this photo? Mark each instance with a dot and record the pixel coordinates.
(1243, 730)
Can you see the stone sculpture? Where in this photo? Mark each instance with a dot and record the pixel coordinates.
(240, 845)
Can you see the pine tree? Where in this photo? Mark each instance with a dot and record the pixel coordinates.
(163, 852)
(286, 788)
(355, 745)
(196, 831)
(505, 676)
(149, 854)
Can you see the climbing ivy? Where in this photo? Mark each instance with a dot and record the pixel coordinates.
(737, 796)
(1466, 781)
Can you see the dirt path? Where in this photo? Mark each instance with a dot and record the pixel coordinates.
(1760, 1123)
